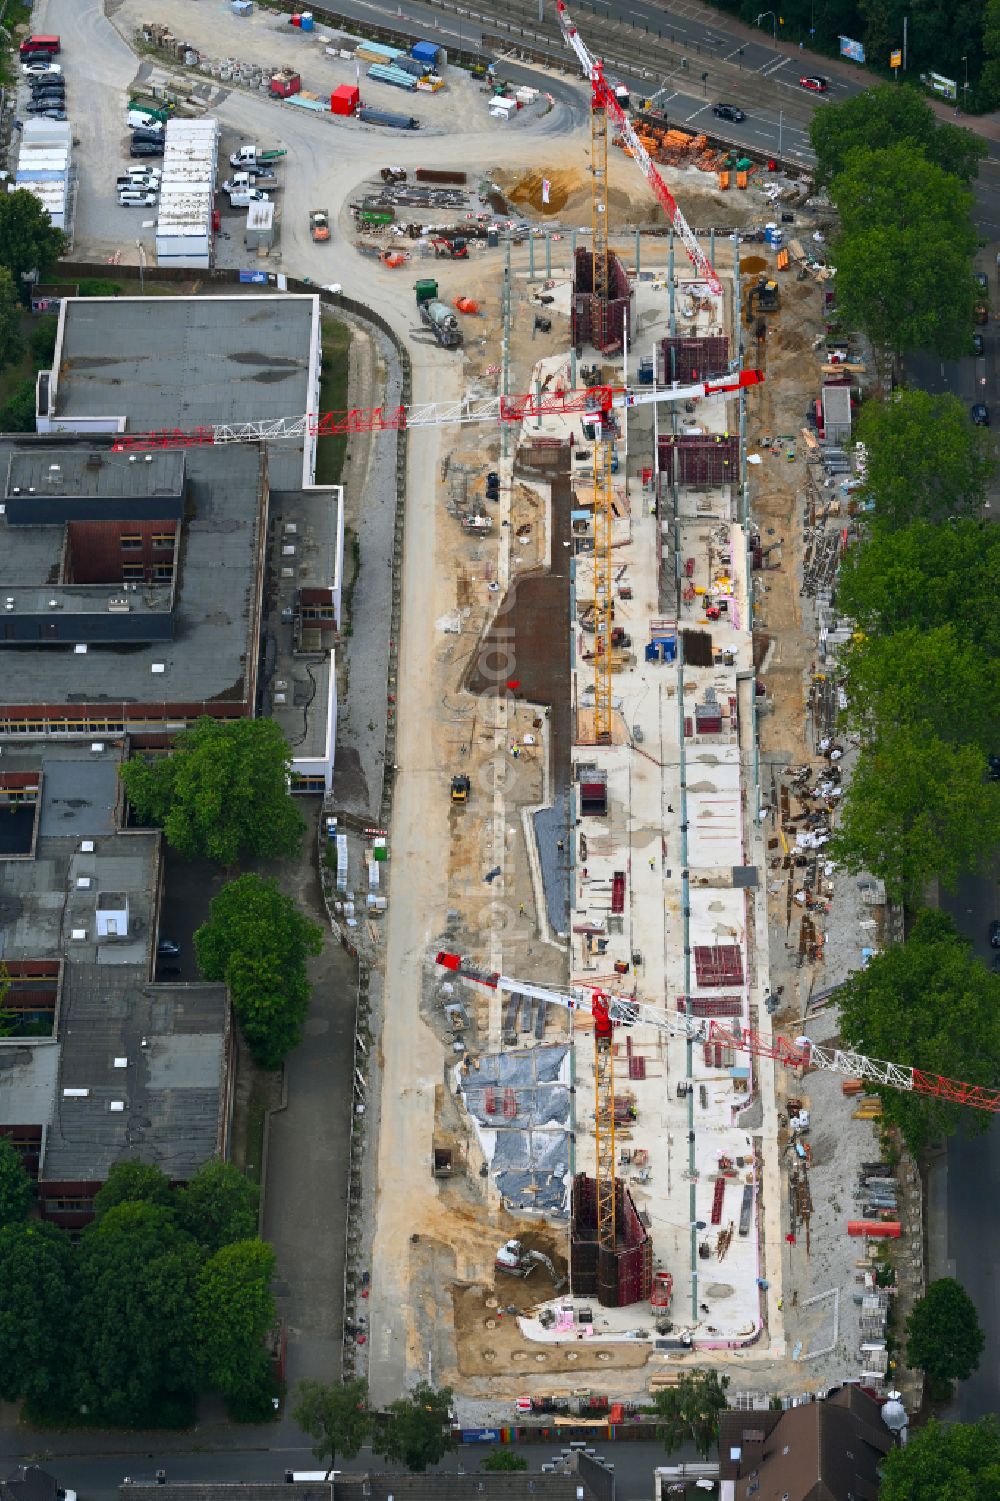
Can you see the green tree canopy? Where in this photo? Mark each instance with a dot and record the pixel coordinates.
(43, 340)
(222, 792)
(133, 1182)
(926, 459)
(689, 1411)
(917, 807)
(504, 1460)
(233, 1311)
(17, 1192)
(337, 1417)
(36, 1309)
(945, 1462)
(416, 1430)
(890, 113)
(218, 1206)
(929, 680)
(258, 941)
(925, 576)
(943, 1337)
(11, 343)
(927, 1004)
(28, 241)
(888, 185)
(134, 1330)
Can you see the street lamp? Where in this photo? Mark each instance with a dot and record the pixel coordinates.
(965, 86)
(774, 21)
(142, 267)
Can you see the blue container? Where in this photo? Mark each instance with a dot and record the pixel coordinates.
(307, 20)
(652, 651)
(425, 52)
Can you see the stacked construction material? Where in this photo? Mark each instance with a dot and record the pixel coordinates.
(387, 73)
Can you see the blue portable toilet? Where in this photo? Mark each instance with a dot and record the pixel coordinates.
(307, 20)
(652, 651)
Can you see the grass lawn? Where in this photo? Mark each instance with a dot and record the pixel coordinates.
(330, 451)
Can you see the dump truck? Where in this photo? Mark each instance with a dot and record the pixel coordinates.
(319, 223)
(518, 1260)
(461, 786)
(439, 317)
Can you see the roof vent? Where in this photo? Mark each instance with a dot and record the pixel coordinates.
(117, 1106)
(16, 490)
(288, 551)
(118, 604)
(96, 746)
(87, 845)
(79, 935)
(55, 604)
(281, 698)
(121, 1063)
(83, 883)
(157, 666)
(76, 1094)
(8, 603)
(148, 459)
(132, 458)
(80, 648)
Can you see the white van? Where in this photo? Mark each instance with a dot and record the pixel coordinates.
(137, 117)
(135, 198)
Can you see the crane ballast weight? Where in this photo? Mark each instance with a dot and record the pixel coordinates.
(610, 1011)
(603, 101)
(593, 403)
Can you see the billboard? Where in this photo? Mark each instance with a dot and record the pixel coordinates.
(895, 59)
(946, 87)
(854, 50)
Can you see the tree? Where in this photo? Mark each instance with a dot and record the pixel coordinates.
(337, 1417)
(28, 241)
(133, 1182)
(257, 941)
(931, 1004)
(907, 289)
(500, 1460)
(926, 460)
(689, 1411)
(923, 577)
(917, 807)
(17, 1192)
(36, 1309)
(233, 1311)
(222, 792)
(944, 1460)
(43, 340)
(134, 1327)
(17, 413)
(11, 343)
(417, 1430)
(943, 1337)
(989, 79)
(887, 185)
(890, 113)
(218, 1206)
(930, 680)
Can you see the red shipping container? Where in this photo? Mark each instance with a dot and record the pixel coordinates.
(345, 99)
(875, 1229)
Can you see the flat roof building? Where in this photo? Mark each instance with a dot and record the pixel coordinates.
(104, 1062)
(142, 590)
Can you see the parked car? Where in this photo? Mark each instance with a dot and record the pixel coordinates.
(148, 184)
(148, 136)
(978, 344)
(982, 280)
(728, 112)
(56, 113)
(146, 148)
(135, 198)
(995, 934)
(981, 414)
(38, 68)
(39, 106)
(167, 948)
(47, 86)
(814, 82)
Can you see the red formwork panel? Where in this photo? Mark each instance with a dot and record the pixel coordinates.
(616, 1278)
(583, 312)
(688, 359)
(718, 964)
(706, 461)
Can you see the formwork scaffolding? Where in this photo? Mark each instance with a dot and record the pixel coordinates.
(688, 359)
(704, 460)
(619, 1277)
(585, 326)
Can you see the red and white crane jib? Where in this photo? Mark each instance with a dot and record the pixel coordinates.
(610, 1011)
(595, 400)
(605, 96)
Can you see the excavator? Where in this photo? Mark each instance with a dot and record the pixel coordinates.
(519, 1260)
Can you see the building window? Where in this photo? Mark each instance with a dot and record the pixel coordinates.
(66, 1204)
(163, 539)
(317, 612)
(133, 571)
(163, 572)
(308, 783)
(131, 542)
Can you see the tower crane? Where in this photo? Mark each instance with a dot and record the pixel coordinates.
(609, 1011)
(604, 103)
(596, 404)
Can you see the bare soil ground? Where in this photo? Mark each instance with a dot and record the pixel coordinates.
(630, 201)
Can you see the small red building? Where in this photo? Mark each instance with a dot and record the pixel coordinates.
(346, 99)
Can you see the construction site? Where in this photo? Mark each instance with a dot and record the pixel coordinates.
(612, 1143)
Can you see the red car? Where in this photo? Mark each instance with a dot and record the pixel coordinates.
(815, 83)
